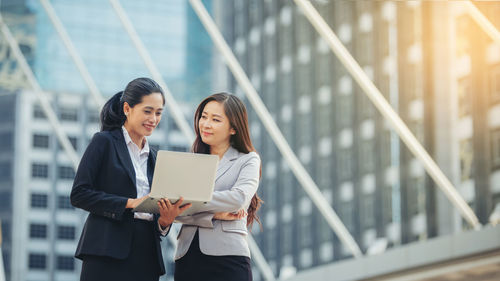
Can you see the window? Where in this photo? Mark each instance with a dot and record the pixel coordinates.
(5, 170)
(63, 202)
(66, 232)
(5, 200)
(40, 141)
(39, 200)
(416, 196)
(38, 230)
(72, 140)
(344, 164)
(344, 111)
(495, 83)
(287, 238)
(37, 261)
(39, 170)
(466, 158)
(38, 112)
(6, 233)
(66, 263)
(368, 206)
(270, 240)
(68, 114)
(66, 172)
(366, 155)
(347, 215)
(495, 148)
(6, 140)
(305, 237)
(464, 104)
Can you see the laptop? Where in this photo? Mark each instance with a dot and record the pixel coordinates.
(190, 175)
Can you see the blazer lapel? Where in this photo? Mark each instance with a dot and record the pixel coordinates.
(226, 162)
(122, 151)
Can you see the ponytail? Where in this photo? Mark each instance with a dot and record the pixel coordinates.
(112, 116)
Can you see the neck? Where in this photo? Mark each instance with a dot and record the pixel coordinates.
(136, 138)
(219, 149)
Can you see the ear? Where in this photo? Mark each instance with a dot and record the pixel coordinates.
(126, 108)
(232, 131)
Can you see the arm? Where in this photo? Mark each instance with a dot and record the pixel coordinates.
(239, 196)
(206, 219)
(85, 194)
(200, 219)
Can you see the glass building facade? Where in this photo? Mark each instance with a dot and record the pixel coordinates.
(378, 188)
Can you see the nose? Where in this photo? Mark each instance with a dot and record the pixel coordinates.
(154, 117)
(206, 124)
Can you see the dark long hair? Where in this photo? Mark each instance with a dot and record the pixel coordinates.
(236, 112)
(112, 115)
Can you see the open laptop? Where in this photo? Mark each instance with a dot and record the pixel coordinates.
(185, 174)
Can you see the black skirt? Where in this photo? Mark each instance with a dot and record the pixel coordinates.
(141, 263)
(196, 266)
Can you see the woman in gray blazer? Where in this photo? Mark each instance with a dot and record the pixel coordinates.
(212, 244)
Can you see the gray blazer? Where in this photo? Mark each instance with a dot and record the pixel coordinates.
(235, 184)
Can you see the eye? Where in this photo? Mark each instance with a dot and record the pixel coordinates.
(203, 117)
(147, 111)
(158, 113)
(216, 120)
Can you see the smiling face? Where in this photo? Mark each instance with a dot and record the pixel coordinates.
(215, 129)
(143, 118)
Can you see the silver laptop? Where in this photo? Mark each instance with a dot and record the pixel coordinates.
(185, 174)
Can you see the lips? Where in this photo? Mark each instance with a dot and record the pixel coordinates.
(206, 134)
(149, 127)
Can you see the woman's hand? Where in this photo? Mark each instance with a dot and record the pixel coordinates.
(225, 216)
(132, 203)
(169, 211)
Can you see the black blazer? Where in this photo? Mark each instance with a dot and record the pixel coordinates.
(104, 181)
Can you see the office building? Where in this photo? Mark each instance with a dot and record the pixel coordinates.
(420, 57)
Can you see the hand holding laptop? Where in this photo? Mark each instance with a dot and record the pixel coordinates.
(169, 211)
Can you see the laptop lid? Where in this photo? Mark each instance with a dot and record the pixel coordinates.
(190, 175)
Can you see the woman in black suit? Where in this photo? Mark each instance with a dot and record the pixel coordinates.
(113, 177)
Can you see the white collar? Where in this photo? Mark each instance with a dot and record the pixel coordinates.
(128, 140)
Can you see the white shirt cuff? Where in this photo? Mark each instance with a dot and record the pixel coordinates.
(163, 232)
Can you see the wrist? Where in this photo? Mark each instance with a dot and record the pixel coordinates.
(164, 222)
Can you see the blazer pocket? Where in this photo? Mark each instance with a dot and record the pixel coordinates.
(238, 226)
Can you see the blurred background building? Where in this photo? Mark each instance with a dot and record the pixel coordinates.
(431, 61)
(437, 68)
(40, 227)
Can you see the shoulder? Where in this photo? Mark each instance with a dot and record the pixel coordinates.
(251, 157)
(103, 137)
(101, 141)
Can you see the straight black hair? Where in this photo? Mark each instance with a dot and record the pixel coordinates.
(112, 115)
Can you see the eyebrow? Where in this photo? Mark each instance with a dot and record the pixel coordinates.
(217, 115)
(150, 107)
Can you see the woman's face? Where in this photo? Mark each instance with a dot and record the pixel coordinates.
(143, 118)
(214, 125)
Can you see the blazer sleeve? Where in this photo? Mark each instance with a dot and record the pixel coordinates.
(199, 219)
(241, 193)
(86, 192)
